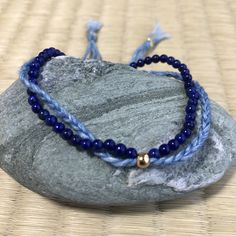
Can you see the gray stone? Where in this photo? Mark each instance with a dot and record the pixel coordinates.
(113, 100)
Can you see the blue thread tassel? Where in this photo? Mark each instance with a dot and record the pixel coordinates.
(156, 36)
(92, 51)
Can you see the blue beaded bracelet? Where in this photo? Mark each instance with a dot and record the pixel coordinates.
(109, 145)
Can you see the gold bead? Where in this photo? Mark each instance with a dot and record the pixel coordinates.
(143, 160)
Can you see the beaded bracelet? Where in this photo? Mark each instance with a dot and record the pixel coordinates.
(96, 145)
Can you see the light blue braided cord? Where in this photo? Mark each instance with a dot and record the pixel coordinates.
(92, 51)
(83, 132)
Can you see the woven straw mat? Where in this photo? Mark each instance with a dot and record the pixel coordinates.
(203, 34)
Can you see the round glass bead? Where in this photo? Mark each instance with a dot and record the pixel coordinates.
(131, 153)
(97, 144)
(43, 114)
(155, 58)
(32, 99)
(180, 138)
(182, 67)
(133, 64)
(120, 149)
(189, 125)
(192, 101)
(153, 153)
(66, 134)
(170, 60)
(163, 58)
(190, 117)
(190, 108)
(188, 84)
(58, 127)
(109, 144)
(176, 64)
(148, 60)
(75, 139)
(85, 144)
(140, 63)
(187, 132)
(164, 149)
(36, 108)
(173, 144)
(51, 120)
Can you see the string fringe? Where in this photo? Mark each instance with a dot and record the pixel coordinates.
(92, 52)
(153, 39)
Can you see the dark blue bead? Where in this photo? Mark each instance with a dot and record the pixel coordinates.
(35, 66)
(187, 77)
(109, 144)
(43, 114)
(155, 58)
(170, 60)
(182, 67)
(120, 149)
(51, 51)
(194, 95)
(148, 60)
(190, 117)
(85, 144)
(187, 132)
(58, 52)
(192, 101)
(36, 108)
(133, 64)
(173, 144)
(97, 144)
(75, 140)
(39, 60)
(190, 109)
(140, 63)
(33, 73)
(131, 153)
(185, 72)
(163, 58)
(190, 90)
(58, 127)
(30, 93)
(176, 64)
(164, 149)
(188, 84)
(44, 55)
(66, 134)
(180, 138)
(32, 99)
(153, 153)
(189, 125)
(51, 120)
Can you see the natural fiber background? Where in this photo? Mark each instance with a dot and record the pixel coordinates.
(203, 35)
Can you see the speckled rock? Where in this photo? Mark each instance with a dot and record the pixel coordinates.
(113, 100)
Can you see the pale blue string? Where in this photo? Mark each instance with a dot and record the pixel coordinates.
(92, 51)
(153, 39)
(83, 132)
